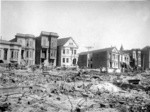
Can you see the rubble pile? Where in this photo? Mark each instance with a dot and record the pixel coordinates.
(73, 91)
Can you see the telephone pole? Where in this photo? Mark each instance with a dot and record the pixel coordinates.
(88, 47)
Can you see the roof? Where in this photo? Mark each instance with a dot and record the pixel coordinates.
(123, 52)
(99, 50)
(130, 51)
(49, 34)
(136, 49)
(9, 43)
(13, 40)
(127, 51)
(25, 35)
(62, 41)
(146, 47)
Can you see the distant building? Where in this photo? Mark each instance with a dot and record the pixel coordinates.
(124, 59)
(146, 57)
(103, 58)
(135, 57)
(67, 52)
(27, 42)
(46, 48)
(10, 52)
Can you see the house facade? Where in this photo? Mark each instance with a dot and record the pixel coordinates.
(124, 59)
(135, 57)
(10, 52)
(146, 57)
(67, 52)
(27, 42)
(107, 58)
(46, 48)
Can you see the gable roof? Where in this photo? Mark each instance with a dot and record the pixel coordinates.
(99, 50)
(62, 41)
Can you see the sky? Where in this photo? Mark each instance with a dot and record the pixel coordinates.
(99, 24)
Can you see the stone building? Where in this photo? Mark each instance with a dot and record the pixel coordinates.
(146, 57)
(46, 48)
(10, 52)
(107, 58)
(27, 42)
(67, 52)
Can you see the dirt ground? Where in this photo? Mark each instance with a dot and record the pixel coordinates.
(73, 90)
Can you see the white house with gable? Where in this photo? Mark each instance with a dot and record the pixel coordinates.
(67, 52)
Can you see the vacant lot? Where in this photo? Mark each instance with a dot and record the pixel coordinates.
(73, 91)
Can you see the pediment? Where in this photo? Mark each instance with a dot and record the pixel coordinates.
(115, 50)
(71, 43)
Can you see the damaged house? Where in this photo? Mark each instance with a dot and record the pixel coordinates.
(135, 58)
(124, 60)
(27, 42)
(10, 52)
(107, 58)
(46, 48)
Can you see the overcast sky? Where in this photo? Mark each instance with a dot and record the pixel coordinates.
(99, 24)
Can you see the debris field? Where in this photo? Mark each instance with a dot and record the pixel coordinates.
(73, 90)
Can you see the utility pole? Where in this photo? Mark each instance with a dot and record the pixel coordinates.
(88, 48)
